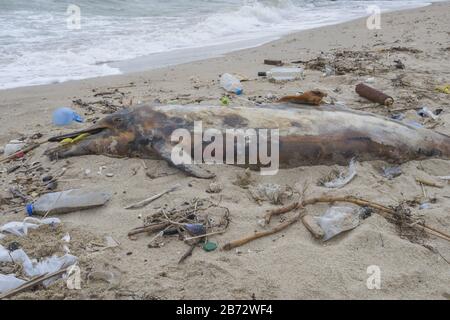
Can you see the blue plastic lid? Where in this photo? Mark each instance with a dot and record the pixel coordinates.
(238, 91)
(29, 209)
(77, 117)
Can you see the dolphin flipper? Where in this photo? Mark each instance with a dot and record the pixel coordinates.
(165, 152)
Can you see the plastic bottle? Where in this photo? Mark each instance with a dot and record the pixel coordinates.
(230, 83)
(67, 201)
(64, 116)
(280, 74)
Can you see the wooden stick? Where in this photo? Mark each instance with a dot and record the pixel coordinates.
(189, 252)
(257, 235)
(150, 228)
(33, 282)
(147, 201)
(428, 183)
(279, 211)
(205, 235)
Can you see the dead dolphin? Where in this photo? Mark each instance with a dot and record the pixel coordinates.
(307, 135)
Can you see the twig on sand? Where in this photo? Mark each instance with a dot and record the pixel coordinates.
(189, 251)
(257, 235)
(147, 201)
(32, 283)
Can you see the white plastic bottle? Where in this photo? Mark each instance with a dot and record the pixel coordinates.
(230, 83)
(67, 201)
(281, 74)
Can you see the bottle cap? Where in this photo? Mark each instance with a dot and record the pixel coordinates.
(29, 209)
(77, 117)
(238, 91)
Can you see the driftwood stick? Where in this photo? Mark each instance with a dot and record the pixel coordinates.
(150, 228)
(33, 282)
(189, 252)
(147, 201)
(428, 183)
(282, 210)
(257, 235)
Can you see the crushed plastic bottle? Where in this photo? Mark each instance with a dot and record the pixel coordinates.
(64, 116)
(231, 84)
(281, 74)
(67, 201)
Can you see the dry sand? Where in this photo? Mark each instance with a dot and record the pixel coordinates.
(288, 265)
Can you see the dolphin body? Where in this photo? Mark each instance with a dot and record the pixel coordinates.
(307, 135)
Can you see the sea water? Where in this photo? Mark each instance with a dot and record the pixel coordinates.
(50, 41)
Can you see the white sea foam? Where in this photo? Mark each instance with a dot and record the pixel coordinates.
(36, 47)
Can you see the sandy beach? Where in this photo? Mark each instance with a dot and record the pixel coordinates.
(287, 265)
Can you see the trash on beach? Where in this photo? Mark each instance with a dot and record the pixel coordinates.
(392, 172)
(67, 201)
(313, 97)
(78, 138)
(399, 64)
(209, 246)
(20, 228)
(13, 146)
(397, 116)
(328, 71)
(340, 179)
(283, 74)
(64, 116)
(225, 101)
(273, 62)
(230, 83)
(9, 282)
(214, 187)
(427, 113)
(374, 95)
(337, 220)
(274, 193)
(147, 201)
(424, 206)
(444, 89)
(192, 221)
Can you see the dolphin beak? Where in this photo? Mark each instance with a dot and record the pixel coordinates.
(92, 130)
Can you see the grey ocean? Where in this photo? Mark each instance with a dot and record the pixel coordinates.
(40, 41)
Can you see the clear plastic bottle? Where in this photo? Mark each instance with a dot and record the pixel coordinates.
(230, 83)
(64, 116)
(67, 201)
(280, 74)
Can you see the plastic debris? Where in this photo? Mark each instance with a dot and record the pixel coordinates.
(209, 246)
(21, 228)
(337, 220)
(9, 282)
(195, 229)
(214, 187)
(343, 178)
(444, 89)
(67, 201)
(13, 147)
(64, 116)
(282, 74)
(425, 112)
(329, 71)
(392, 172)
(225, 101)
(424, 206)
(231, 84)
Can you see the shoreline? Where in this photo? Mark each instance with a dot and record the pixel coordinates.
(189, 55)
(291, 264)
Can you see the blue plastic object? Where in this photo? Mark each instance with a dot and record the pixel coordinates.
(29, 209)
(64, 116)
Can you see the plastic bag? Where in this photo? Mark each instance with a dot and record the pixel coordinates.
(9, 282)
(337, 220)
(21, 228)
